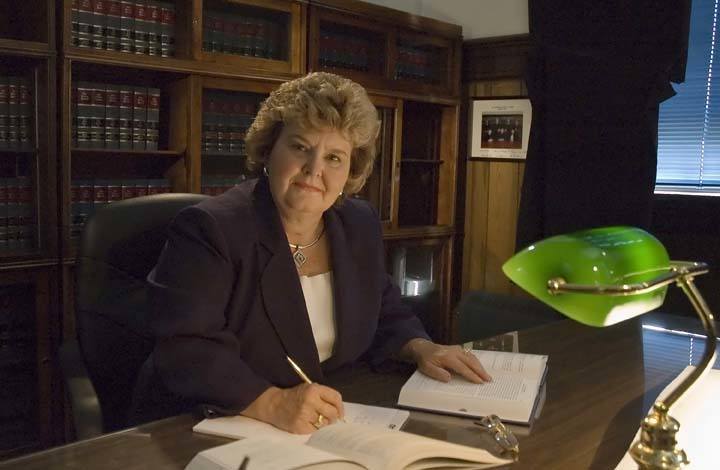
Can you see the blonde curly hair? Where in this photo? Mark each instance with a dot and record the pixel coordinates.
(316, 101)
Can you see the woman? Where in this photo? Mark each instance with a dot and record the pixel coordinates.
(285, 267)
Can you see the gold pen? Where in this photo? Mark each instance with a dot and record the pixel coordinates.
(302, 375)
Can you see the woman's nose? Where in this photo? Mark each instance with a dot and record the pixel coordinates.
(313, 165)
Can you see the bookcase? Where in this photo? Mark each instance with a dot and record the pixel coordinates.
(156, 96)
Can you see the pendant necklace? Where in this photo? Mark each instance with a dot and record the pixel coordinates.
(298, 254)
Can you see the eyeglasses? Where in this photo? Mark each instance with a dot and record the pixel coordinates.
(502, 436)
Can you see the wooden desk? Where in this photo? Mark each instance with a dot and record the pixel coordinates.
(599, 384)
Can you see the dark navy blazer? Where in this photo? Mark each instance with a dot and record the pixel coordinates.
(229, 305)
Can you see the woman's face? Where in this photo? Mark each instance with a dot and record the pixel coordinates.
(308, 169)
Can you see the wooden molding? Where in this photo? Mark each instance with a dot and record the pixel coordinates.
(492, 58)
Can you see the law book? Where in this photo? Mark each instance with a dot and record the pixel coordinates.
(141, 27)
(97, 25)
(97, 116)
(153, 118)
(167, 29)
(345, 446)
(127, 26)
(25, 115)
(112, 25)
(139, 118)
(153, 17)
(513, 394)
(4, 112)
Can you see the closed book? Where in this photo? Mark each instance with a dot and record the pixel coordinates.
(127, 25)
(27, 224)
(112, 25)
(114, 190)
(3, 213)
(86, 203)
(209, 124)
(141, 187)
(513, 394)
(85, 21)
(153, 18)
(228, 35)
(167, 29)
(112, 116)
(97, 116)
(128, 189)
(4, 112)
(222, 127)
(25, 111)
(97, 25)
(76, 221)
(140, 32)
(139, 118)
(235, 124)
(154, 186)
(13, 132)
(12, 214)
(83, 116)
(125, 118)
(100, 194)
(74, 23)
(153, 118)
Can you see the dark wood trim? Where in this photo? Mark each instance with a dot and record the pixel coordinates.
(493, 58)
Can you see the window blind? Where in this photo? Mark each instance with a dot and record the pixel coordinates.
(689, 122)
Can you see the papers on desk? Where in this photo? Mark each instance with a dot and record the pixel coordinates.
(698, 415)
(236, 427)
(344, 446)
(513, 394)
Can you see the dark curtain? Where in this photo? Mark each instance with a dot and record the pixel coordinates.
(597, 72)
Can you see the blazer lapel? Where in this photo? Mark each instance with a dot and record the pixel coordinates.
(280, 287)
(349, 317)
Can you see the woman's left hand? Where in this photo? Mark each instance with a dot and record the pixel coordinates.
(439, 360)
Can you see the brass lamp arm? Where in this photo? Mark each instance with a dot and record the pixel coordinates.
(678, 269)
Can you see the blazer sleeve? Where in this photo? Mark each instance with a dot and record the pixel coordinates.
(397, 324)
(196, 356)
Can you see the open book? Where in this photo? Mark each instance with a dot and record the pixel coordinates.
(236, 427)
(512, 394)
(345, 446)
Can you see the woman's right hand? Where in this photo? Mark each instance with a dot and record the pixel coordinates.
(297, 409)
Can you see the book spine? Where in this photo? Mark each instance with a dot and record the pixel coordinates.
(127, 26)
(75, 221)
(228, 34)
(223, 133)
(112, 115)
(141, 27)
(75, 23)
(153, 118)
(4, 113)
(141, 187)
(12, 214)
(85, 21)
(154, 186)
(128, 188)
(139, 118)
(97, 117)
(167, 30)
(84, 114)
(209, 125)
(86, 202)
(216, 33)
(3, 213)
(165, 186)
(235, 128)
(114, 190)
(13, 113)
(25, 135)
(97, 25)
(100, 194)
(113, 25)
(26, 214)
(153, 31)
(125, 118)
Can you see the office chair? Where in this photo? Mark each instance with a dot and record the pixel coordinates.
(484, 314)
(120, 244)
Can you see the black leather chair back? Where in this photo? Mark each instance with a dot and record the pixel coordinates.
(120, 245)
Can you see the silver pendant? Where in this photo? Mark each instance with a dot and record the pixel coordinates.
(299, 258)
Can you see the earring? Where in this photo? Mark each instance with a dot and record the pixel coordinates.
(341, 193)
(265, 172)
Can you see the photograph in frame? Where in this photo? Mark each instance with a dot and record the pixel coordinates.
(500, 129)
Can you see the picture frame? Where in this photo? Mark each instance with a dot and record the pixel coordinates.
(500, 129)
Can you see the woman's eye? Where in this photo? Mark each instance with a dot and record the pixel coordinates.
(334, 158)
(299, 147)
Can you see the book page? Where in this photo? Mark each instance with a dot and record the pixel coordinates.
(527, 365)
(267, 453)
(382, 449)
(236, 427)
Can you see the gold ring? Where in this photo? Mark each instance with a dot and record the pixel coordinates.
(467, 349)
(320, 421)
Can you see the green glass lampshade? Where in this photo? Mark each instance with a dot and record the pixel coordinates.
(607, 256)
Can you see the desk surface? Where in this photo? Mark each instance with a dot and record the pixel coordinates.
(599, 384)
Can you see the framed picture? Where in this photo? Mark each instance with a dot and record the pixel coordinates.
(499, 129)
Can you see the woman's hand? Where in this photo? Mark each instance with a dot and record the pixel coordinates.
(439, 360)
(297, 409)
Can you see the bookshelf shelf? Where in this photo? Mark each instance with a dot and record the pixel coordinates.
(25, 48)
(106, 153)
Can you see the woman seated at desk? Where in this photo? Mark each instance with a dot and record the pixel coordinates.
(284, 266)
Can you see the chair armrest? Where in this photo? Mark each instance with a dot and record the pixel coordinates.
(86, 412)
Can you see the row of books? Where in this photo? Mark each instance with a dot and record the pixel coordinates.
(115, 116)
(16, 113)
(216, 185)
(242, 35)
(89, 195)
(344, 51)
(225, 120)
(18, 223)
(416, 64)
(130, 26)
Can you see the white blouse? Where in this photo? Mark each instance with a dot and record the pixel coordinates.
(319, 300)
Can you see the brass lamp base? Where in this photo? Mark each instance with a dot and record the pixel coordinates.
(656, 448)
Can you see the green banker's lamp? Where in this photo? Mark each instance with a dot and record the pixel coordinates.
(603, 276)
